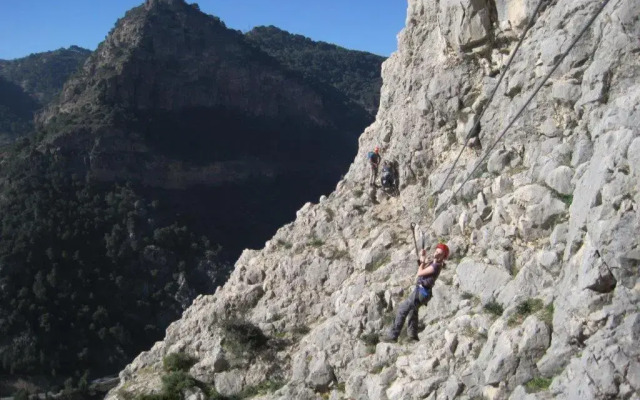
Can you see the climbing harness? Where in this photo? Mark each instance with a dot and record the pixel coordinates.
(493, 92)
(535, 92)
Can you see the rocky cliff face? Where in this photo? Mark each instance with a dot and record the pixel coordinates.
(540, 297)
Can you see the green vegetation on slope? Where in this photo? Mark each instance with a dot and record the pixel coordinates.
(356, 74)
(30, 83)
(89, 274)
(42, 75)
(16, 110)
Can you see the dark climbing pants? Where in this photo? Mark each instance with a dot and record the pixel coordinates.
(409, 309)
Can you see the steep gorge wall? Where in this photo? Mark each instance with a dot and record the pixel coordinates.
(547, 229)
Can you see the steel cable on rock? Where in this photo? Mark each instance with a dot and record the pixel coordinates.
(535, 92)
(493, 92)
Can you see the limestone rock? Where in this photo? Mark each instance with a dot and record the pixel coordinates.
(480, 279)
(582, 152)
(595, 274)
(559, 234)
(513, 13)
(229, 383)
(634, 156)
(498, 161)
(465, 124)
(502, 185)
(453, 388)
(464, 23)
(566, 92)
(560, 180)
(443, 224)
(194, 394)
(320, 374)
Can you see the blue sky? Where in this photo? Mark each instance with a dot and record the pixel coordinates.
(31, 26)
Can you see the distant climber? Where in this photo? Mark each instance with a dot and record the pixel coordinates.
(428, 272)
(473, 138)
(374, 162)
(386, 178)
(389, 177)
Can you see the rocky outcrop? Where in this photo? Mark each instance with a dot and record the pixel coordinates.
(540, 297)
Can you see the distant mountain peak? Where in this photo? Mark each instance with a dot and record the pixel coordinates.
(173, 3)
(165, 60)
(79, 49)
(168, 55)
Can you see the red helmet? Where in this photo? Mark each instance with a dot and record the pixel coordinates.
(377, 149)
(444, 248)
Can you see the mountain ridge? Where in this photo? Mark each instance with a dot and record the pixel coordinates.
(40, 77)
(232, 92)
(356, 73)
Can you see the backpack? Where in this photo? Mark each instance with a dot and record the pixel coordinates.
(386, 178)
(372, 156)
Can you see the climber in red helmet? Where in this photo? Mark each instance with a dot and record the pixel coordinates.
(428, 272)
(374, 162)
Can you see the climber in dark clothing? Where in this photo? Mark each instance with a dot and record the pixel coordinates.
(427, 274)
(389, 177)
